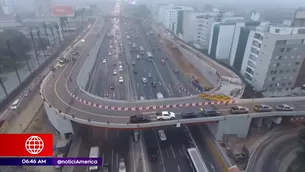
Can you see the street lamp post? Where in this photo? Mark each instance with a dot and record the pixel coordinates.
(253, 96)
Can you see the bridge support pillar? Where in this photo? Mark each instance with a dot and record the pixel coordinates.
(63, 126)
(232, 125)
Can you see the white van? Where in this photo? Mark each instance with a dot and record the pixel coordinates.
(94, 153)
(15, 104)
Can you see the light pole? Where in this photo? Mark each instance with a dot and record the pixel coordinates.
(277, 86)
(254, 90)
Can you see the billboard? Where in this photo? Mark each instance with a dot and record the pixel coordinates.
(62, 11)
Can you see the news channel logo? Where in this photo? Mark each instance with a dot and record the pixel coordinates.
(34, 145)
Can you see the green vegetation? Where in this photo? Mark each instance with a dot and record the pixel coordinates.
(19, 45)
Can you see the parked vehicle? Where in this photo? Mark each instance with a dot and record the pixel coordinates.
(165, 115)
(262, 108)
(239, 110)
(189, 115)
(139, 119)
(284, 107)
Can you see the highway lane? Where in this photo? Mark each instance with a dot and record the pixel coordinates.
(273, 152)
(172, 154)
(200, 134)
(64, 102)
(142, 67)
(113, 145)
(104, 77)
(147, 67)
(167, 68)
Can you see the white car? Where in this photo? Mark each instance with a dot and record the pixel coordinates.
(165, 115)
(144, 80)
(114, 72)
(83, 40)
(120, 68)
(121, 79)
(110, 46)
(138, 57)
(104, 61)
(119, 63)
(109, 53)
(162, 135)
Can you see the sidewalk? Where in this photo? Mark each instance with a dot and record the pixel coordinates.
(20, 123)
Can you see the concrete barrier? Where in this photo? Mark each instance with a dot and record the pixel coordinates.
(211, 145)
(85, 72)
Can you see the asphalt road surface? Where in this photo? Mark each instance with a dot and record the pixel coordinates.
(172, 153)
(169, 83)
(114, 145)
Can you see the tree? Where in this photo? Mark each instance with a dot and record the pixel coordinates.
(301, 152)
(20, 45)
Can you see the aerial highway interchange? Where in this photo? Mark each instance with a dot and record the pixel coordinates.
(62, 92)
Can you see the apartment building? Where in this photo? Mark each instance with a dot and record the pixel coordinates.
(273, 58)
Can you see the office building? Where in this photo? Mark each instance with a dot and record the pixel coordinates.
(273, 58)
(298, 19)
(171, 17)
(225, 37)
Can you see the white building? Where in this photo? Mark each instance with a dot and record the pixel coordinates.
(172, 17)
(273, 58)
(222, 38)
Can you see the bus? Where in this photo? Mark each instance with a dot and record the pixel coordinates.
(141, 50)
(149, 55)
(197, 161)
(94, 153)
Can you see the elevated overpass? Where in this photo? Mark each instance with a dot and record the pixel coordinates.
(65, 99)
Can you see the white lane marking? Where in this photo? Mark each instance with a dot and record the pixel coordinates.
(173, 151)
(180, 151)
(103, 157)
(143, 156)
(106, 134)
(117, 160)
(133, 154)
(112, 158)
(161, 156)
(72, 107)
(167, 154)
(78, 148)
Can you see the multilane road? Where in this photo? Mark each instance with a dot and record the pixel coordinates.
(65, 96)
(106, 84)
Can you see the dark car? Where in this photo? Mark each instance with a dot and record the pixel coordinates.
(139, 119)
(152, 154)
(135, 72)
(189, 115)
(210, 113)
(154, 84)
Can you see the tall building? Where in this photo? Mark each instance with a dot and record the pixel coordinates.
(273, 58)
(171, 17)
(298, 19)
(8, 6)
